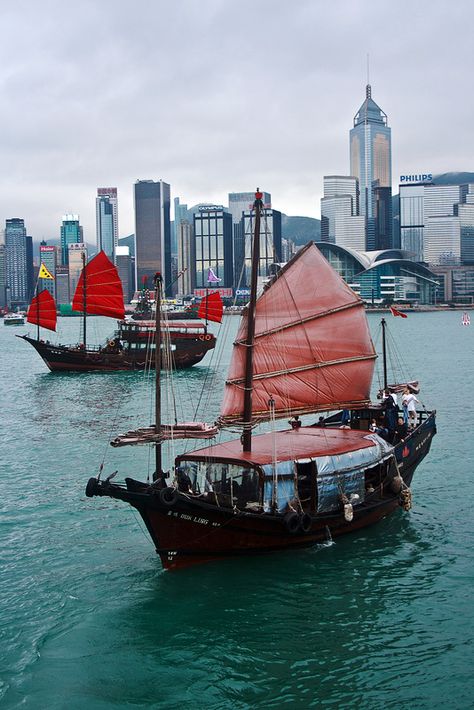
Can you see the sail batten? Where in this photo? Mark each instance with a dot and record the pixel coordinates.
(103, 289)
(312, 346)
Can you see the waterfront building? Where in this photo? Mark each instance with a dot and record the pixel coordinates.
(77, 257)
(270, 245)
(437, 222)
(455, 284)
(340, 219)
(212, 226)
(18, 263)
(186, 257)
(152, 233)
(50, 256)
(3, 277)
(106, 215)
(371, 164)
(71, 233)
(125, 268)
(382, 276)
(62, 285)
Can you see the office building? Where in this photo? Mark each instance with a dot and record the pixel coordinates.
(106, 215)
(3, 277)
(340, 219)
(152, 233)
(50, 256)
(19, 263)
(371, 164)
(240, 202)
(180, 213)
(270, 245)
(77, 257)
(186, 257)
(125, 268)
(71, 233)
(437, 222)
(62, 285)
(212, 226)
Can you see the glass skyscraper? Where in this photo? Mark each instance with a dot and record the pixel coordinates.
(107, 220)
(371, 164)
(71, 233)
(213, 245)
(19, 262)
(152, 233)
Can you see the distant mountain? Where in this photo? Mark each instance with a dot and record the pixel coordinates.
(300, 229)
(453, 178)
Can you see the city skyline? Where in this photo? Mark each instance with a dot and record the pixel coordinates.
(124, 107)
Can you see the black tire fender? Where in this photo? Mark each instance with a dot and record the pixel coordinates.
(169, 496)
(306, 522)
(292, 522)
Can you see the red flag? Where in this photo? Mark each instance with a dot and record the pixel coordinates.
(394, 312)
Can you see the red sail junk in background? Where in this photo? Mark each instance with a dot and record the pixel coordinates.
(211, 308)
(394, 312)
(42, 311)
(104, 294)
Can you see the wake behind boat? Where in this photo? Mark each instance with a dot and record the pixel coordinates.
(303, 348)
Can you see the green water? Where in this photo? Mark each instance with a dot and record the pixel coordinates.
(88, 619)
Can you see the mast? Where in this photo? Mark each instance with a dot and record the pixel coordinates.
(247, 414)
(158, 286)
(37, 311)
(384, 354)
(84, 299)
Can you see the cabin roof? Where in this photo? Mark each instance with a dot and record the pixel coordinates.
(150, 324)
(306, 442)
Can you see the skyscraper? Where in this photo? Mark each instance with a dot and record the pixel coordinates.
(71, 233)
(340, 220)
(106, 216)
(152, 232)
(371, 164)
(213, 245)
(19, 262)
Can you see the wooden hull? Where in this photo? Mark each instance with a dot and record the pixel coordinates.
(189, 531)
(66, 358)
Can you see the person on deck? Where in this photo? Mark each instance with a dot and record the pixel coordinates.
(409, 401)
(401, 431)
(391, 414)
(295, 422)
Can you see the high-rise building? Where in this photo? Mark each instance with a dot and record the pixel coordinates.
(186, 257)
(125, 268)
(62, 285)
(270, 245)
(106, 216)
(50, 256)
(180, 213)
(240, 202)
(152, 233)
(71, 233)
(19, 263)
(371, 164)
(213, 245)
(3, 277)
(340, 220)
(77, 257)
(437, 222)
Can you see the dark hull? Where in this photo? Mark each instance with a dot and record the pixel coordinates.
(190, 531)
(64, 358)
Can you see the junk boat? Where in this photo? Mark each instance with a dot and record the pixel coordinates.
(131, 346)
(303, 347)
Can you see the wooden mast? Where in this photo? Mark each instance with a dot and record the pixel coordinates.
(158, 286)
(247, 414)
(84, 298)
(384, 354)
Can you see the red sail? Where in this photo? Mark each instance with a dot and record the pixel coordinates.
(313, 350)
(104, 294)
(42, 311)
(211, 307)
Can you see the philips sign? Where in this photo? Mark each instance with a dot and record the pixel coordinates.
(422, 177)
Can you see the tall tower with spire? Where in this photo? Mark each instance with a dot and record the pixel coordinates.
(371, 164)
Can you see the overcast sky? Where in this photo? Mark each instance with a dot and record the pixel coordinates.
(219, 96)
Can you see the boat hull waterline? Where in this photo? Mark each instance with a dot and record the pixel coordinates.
(190, 531)
(65, 358)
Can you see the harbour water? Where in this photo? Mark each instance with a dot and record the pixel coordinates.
(88, 619)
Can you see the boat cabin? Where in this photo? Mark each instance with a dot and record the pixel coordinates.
(332, 466)
(133, 334)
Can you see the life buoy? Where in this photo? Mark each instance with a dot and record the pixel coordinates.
(168, 496)
(305, 522)
(208, 337)
(202, 337)
(112, 343)
(292, 522)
